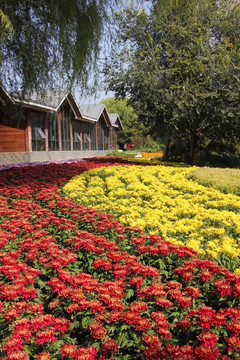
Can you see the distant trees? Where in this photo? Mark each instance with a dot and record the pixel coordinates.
(179, 66)
(132, 127)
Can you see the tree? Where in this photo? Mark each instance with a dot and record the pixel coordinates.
(132, 126)
(53, 43)
(179, 65)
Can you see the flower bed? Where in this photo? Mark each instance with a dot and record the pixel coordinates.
(162, 200)
(152, 155)
(77, 284)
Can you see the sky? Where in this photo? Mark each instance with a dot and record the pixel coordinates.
(105, 50)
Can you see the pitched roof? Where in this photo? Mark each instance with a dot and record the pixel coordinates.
(115, 121)
(4, 95)
(94, 112)
(50, 99)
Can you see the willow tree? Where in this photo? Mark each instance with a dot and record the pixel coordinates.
(52, 43)
(179, 65)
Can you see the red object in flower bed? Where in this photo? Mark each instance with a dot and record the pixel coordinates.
(77, 284)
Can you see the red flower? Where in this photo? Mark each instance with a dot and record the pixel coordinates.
(110, 347)
(223, 287)
(102, 263)
(233, 342)
(97, 330)
(205, 275)
(204, 352)
(151, 340)
(234, 327)
(219, 319)
(23, 333)
(164, 332)
(43, 356)
(192, 291)
(17, 355)
(184, 323)
(1, 306)
(69, 350)
(184, 301)
(236, 289)
(61, 324)
(136, 281)
(131, 317)
(13, 344)
(208, 338)
(45, 336)
(163, 302)
(142, 324)
(138, 306)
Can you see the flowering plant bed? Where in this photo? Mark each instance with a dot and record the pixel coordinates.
(162, 200)
(77, 284)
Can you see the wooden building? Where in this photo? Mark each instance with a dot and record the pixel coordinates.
(51, 125)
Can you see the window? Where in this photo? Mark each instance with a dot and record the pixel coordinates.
(106, 138)
(65, 127)
(100, 136)
(77, 139)
(85, 135)
(93, 136)
(38, 131)
(114, 137)
(53, 138)
(88, 139)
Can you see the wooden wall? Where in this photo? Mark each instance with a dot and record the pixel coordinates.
(12, 139)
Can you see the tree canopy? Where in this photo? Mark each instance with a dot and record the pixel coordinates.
(179, 65)
(48, 42)
(132, 127)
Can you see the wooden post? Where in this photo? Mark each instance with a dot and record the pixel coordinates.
(96, 136)
(71, 135)
(60, 130)
(81, 144)
(29, 132)
(89, 135)
(46, 131)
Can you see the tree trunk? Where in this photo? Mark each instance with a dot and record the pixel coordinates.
(196, 137)
(170, 143)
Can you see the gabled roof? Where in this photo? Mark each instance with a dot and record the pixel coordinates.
(5, 95)
(95, 111)
(50, 99)
(47, 99)
(115, 121)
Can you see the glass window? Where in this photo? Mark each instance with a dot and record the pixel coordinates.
(65, 127)
(85, 135)
(77, 139)
(38, 131)
(114, 137)
(93, 136)
(106, 138)
(100, 136)
(53, 138)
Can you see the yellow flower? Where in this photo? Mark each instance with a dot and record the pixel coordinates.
(162, 200)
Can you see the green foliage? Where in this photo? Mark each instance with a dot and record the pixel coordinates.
(5, 25)
(54, 43)
(128, 118)
(122, 154)
(180, 68)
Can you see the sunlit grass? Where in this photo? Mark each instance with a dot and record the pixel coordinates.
(225, 180)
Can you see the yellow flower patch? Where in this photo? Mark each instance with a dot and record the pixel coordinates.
(162, 200)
